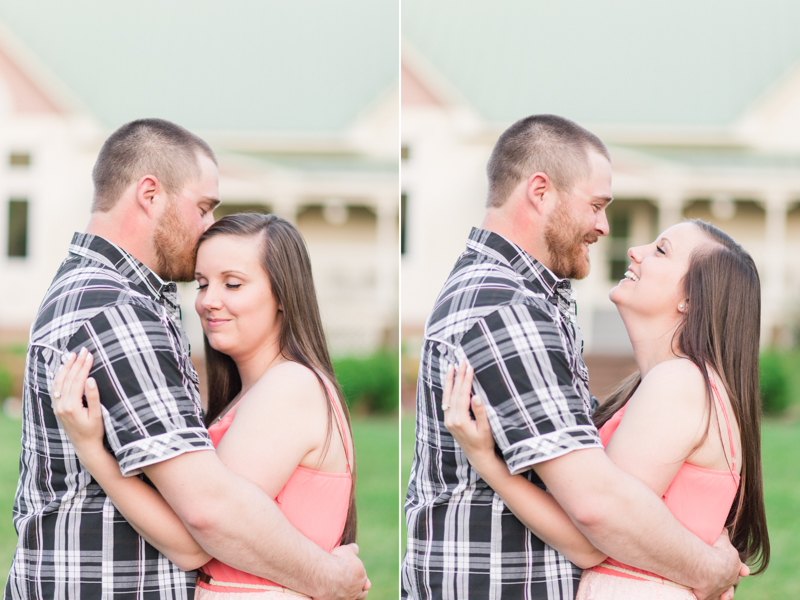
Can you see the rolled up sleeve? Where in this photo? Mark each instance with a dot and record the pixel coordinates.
(149, 394)
(524, 371)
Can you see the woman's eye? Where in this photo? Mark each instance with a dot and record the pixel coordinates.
(202, 287)
(660, 249)
(233, 286)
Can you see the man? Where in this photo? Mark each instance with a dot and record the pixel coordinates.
(156, 186)
(508, 310)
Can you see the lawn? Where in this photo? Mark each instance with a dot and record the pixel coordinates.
(377, 494)
(781, 462)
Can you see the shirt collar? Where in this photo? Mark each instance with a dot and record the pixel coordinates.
(559, 291)
(114, 257)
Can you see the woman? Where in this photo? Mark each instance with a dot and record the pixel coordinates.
(687, 423)
(275, 413)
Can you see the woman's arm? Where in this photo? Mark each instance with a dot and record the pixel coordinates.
(141, 505)
(280, 424)
(534, 507)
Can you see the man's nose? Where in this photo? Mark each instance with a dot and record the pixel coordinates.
(601, 227)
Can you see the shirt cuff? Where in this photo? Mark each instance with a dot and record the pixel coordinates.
(523, 455)
(151, 450)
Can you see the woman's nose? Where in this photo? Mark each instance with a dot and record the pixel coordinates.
(210, 298)
(635, 253)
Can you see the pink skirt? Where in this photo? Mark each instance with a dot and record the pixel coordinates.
(602, 586)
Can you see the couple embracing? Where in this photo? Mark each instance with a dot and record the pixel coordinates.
(521, 487)
(263, 482)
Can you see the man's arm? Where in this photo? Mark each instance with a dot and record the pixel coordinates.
(622, 517)
(524, 371)
(234, 521)
(153, 424)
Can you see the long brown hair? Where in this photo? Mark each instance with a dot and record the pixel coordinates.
(722, 329)
(302, 339)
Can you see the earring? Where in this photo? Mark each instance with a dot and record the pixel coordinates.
(680, 306)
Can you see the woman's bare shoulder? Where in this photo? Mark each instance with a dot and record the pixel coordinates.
(289, 380)
(677, 381)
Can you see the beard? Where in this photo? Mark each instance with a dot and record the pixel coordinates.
(176, 249)
(565, 242)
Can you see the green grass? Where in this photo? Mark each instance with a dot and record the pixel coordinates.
(406, 458)
(780, 452)
(378, 503)
(780, 441)
(377, 495)
(9, 474)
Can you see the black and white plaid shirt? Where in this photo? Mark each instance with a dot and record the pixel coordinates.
(73, 543)
(514, 322)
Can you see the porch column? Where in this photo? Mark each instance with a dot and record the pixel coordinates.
(670, 209)
(286, 208)
(773, 278)
(387, 258)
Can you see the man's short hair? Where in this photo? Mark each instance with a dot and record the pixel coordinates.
(547, 143)
(146, 147)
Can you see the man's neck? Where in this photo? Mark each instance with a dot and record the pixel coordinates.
(518, 230)
(125, 233)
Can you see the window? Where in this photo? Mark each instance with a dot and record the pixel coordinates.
(19, 159)
(18, 228)
(619, 238)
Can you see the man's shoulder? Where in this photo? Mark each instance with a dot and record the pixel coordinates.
(82, 289)
(478, 286)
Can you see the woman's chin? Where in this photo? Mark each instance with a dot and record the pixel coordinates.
(614, 294)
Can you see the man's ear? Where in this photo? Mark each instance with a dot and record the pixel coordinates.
(539, 185)
(148, 189)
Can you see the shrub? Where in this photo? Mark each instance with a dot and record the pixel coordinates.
(371, 383)
(773, 383)
(6, 383)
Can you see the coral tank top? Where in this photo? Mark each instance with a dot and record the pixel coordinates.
(699, 498)
(314, 502)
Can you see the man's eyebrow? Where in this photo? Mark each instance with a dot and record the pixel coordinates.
(605, 199)
(213, 202)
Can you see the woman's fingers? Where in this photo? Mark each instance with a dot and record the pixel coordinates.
(456, 401)
(68, 397)
(61, 375)
(448, 389)
(481, 418)
(92, 398)
(75, 368)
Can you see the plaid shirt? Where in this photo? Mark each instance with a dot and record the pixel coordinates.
(73, 543)
(514, 322)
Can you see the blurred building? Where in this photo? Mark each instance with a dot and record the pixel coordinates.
(299, 127)
(699, 123)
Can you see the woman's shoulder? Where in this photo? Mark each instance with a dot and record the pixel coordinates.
(675, 373)
(289, 379)
(677, 381)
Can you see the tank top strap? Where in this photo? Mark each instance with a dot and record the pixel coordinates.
(343, 429)
(727, 421)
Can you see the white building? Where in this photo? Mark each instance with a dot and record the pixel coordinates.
(300, 103)
(701, 116)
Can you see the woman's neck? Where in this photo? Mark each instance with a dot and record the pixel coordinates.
(653, 341)
(253, 366)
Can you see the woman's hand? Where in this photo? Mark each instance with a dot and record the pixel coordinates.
(83, 423)
(473, 435)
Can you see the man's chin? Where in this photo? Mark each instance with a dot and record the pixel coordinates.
(580, 269)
